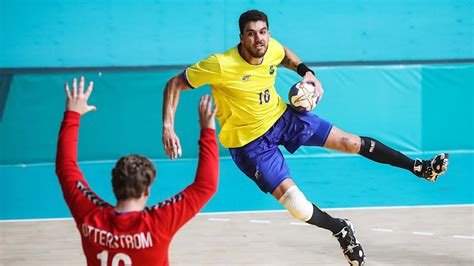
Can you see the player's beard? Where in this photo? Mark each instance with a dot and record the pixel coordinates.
(257, 52)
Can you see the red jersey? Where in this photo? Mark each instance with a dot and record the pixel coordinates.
(134, 238)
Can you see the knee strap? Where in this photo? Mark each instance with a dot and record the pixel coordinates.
(297, 204)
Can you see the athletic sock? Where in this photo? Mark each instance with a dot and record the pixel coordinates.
(324, 220)
(378, 152)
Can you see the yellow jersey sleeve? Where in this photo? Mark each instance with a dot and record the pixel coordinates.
(207, 71)
(277, 51)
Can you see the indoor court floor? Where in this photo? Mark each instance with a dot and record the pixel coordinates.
(423, 235)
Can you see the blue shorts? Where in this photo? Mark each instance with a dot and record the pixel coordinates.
(262, 160)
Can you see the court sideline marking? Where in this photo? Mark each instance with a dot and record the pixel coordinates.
(268, 211)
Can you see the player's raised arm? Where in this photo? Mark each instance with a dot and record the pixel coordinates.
(293, 62)
(171, 94)
(192, 199)
(70, 177)
(205, 183)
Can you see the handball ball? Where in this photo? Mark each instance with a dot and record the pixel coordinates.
(303, 97)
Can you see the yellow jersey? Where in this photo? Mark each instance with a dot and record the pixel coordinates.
(248, 104)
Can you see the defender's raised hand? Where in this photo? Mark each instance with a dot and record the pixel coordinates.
(77, 100)
(207, 114)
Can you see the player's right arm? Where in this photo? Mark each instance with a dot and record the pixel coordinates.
(203, 72)
(171, 94)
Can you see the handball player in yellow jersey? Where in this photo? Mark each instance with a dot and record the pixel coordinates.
(255, 120)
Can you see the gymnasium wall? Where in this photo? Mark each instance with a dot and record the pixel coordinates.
(413, 103)
(414, 108)
(65, 33)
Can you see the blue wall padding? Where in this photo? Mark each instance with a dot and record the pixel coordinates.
(448, 108)
(70, 33)
(327, 182)
(5, 82)
(412, 108)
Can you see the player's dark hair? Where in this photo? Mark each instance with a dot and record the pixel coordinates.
(131, 176)
(252, 15)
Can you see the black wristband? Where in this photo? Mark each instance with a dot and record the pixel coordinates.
(301, 69)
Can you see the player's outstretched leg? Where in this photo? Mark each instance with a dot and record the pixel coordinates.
(377, 151)
(431, 169)
(302, 209)
(427, 169)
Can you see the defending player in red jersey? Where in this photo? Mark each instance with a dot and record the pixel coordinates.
(130, 233)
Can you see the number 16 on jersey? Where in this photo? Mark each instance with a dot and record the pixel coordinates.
(264, 96)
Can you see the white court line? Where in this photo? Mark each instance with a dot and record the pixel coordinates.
(464, 237)
(348, 209)
(36, 220)
(260, 221)
(274, 211)
(219, 219)
(423, 233)
(297, 223)
(382, 230)
(398, 207)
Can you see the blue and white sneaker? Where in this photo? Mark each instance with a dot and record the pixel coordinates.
(352, 249)
(431, 169)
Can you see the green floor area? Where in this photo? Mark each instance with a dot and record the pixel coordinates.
(33, 192)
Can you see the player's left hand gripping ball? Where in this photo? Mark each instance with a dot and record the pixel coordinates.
(303, 97)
